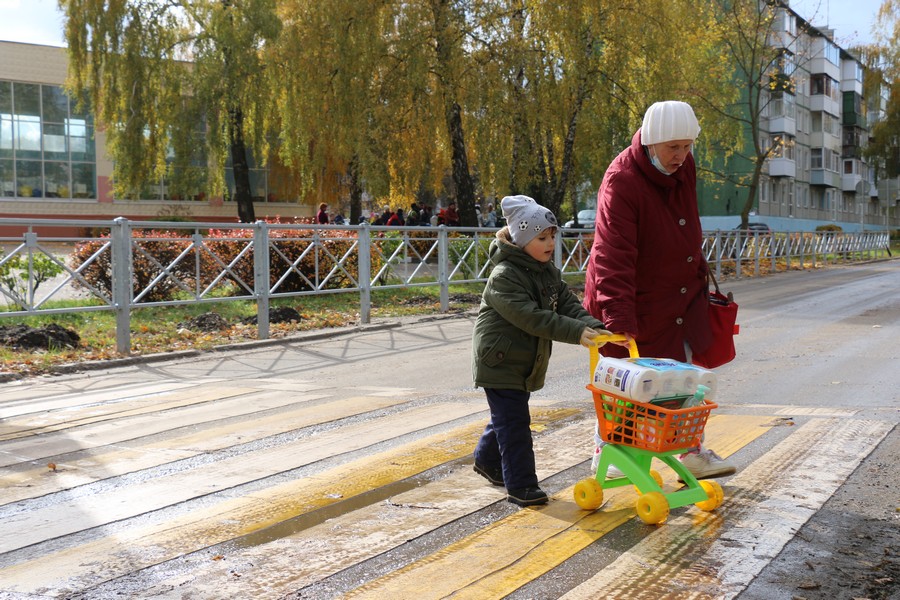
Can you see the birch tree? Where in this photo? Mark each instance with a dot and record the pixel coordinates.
(156, 71)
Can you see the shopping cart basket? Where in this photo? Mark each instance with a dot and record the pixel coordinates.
(638, 432)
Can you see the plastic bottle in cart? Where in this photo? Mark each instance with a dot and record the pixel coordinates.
(698, 397)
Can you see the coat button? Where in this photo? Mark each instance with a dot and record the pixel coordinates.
(684, 290)
(690, 259)
(500, 355)
(679, 321)
(682, 222)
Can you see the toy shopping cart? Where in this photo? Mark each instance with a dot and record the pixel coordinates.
(638, 432)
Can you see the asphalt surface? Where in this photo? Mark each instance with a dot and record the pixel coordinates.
(818, 350)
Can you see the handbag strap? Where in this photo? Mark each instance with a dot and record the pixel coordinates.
(711, 277)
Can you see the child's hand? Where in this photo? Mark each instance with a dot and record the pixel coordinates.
(587, 337)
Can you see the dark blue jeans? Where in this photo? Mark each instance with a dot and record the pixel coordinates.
(506, 440)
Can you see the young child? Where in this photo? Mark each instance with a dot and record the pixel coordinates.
(525, 306)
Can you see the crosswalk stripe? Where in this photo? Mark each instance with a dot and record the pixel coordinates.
(30, 430)
(127, 550)
(292, 562)
(716, 555)
(486, 565)
(40, 400)
(34, 526)
(116, 457)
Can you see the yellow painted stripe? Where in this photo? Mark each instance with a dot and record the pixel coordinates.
(368, 531)
(487, 565)
(129, 501)
(707, 555)
(132, 549)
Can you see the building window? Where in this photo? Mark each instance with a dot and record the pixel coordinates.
(46, 144)
(823, 85)
(832, 53)
(815, 158)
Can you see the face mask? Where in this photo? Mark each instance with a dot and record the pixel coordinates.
(656, 163)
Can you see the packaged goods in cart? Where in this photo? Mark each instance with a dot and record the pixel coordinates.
(653, 380)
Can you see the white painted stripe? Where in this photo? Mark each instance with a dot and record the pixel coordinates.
(717, 555)
(806, 411)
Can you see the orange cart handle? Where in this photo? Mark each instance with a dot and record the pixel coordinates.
(603, 338)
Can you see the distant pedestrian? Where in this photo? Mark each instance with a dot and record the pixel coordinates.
(322, 215)
(451, 215)
(412, 217)
(490, 217)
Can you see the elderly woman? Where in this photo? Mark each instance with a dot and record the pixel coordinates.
(647, 274)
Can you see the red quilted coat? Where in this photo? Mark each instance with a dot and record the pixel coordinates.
(647, 274)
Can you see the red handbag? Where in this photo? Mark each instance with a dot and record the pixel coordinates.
(723, 322)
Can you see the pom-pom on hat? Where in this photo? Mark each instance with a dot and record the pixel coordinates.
(525, 218)
(667, 121)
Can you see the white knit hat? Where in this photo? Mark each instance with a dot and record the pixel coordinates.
(526, 218)
(667, 121)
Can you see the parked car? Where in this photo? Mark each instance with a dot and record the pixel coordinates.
(752, 232)
(586, 220)
(756, 227)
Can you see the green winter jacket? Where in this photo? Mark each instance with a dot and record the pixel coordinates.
(525, 306)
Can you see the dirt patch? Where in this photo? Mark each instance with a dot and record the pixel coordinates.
(207, 322)
(283, 314)
(52, 336)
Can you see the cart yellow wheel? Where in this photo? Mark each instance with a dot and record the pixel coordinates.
(652, 508)
(656, 477)
(588, 494)
(714, 495)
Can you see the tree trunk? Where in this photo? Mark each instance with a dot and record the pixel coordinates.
(462, 179)
(568, 157)
(355, 190)
(242, 194)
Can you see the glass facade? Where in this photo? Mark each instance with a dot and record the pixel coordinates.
(46, 144)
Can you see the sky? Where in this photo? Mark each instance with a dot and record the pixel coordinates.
(40, 22)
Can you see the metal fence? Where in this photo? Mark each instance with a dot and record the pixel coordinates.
(123, 265)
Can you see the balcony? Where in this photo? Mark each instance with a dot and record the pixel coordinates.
(824, 177)
(782, 124)
(854, 119)
(849, 183)
(820, 64)
(782, 167)
(821, 102)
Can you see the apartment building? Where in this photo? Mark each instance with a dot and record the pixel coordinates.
(818, 125)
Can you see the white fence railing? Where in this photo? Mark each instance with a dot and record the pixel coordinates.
(121, 265)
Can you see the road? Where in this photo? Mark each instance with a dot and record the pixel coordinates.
(340, 466)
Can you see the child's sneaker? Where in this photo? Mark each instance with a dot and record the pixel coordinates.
(492, 474)
(528, 496)
(706, 464)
